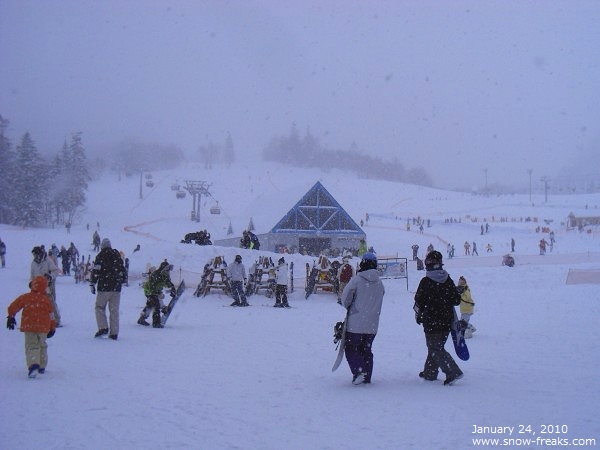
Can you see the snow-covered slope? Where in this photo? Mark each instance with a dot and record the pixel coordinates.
(260, 377)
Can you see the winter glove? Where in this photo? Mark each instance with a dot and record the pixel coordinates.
(93, 289)
(10, 322)
(460, 289)
(50, 333)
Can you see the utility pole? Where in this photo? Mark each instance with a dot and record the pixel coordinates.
(529, 171)
(545, 180)
(486, 184)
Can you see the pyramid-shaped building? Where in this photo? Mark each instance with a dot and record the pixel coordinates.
(316, 223)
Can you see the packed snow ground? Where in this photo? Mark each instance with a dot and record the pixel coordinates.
(260, 377)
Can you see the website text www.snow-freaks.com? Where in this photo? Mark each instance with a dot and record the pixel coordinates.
(527, 436)
(529, 442)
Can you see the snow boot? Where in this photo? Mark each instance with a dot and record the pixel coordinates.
(33, 370)
(101, 332)
(142, 321)
(236, 303)
(359, 378)
(450, 380)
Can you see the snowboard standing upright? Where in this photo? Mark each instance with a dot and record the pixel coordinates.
(458, 338)
(311, 280)
(173, 302)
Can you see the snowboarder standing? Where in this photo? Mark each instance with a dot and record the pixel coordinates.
(281, 284)
(435, 299)
(37, 322)
(158, 280)
(237, 278)
(415, 250)
(108, 273)
(362, 298)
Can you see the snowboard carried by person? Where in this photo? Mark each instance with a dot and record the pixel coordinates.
(311, 280)
(339, 338)
(169, 308)
(457, 332)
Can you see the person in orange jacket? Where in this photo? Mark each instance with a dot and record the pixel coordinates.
(37, 322)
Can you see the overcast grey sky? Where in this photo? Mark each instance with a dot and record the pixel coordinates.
(455, 86)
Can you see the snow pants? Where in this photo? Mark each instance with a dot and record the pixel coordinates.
(358, 353)
(281, 294)
(152, 305)
(36, 349)
(237, 291)
(438, 357)
(113, 300)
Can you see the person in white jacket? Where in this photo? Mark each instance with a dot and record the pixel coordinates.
(362, 297)
(281, 284)
(236, 273)
(43, 265)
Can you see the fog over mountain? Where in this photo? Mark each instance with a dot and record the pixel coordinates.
(474, 93)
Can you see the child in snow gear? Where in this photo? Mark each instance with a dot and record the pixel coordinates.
(435, 299)
(158, 280)
(467, 307)
(362, 298)
(37, 322)
(281, 280)
(236, 273)
(109, 274)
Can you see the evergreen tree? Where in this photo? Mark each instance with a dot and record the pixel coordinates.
(30, 184)
(77, 174)
(7, 161)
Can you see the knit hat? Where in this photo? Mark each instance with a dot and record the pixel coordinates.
(105, 243)
(281, 260)
(462, 281)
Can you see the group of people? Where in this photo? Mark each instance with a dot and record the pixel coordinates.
(361, 294)
(435, 300)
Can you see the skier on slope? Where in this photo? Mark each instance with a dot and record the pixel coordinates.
(158, 280)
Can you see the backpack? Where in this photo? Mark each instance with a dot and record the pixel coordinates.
(346, 273)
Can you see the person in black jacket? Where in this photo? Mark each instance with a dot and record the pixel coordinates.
(435, 299)
(108, 273)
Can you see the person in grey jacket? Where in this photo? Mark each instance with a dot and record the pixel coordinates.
(362, 297)
(236, 272)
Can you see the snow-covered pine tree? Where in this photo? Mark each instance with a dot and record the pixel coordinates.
(7, 161)
(30, 184)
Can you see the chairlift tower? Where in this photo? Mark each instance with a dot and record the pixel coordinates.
(196, 190)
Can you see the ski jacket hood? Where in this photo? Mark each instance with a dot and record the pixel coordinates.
(38, 312)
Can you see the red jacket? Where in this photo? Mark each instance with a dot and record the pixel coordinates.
(38, 312)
